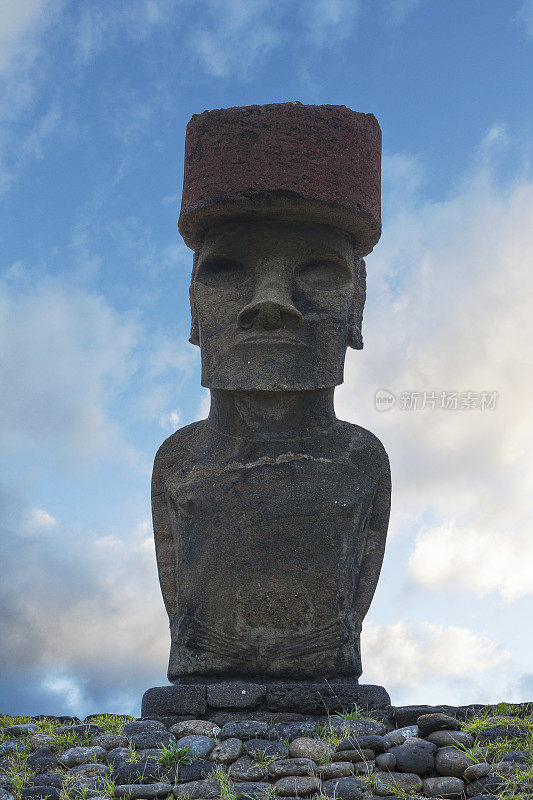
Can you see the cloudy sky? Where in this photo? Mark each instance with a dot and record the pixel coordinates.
(96, 370)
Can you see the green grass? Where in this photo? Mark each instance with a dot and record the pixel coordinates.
(111, 723)
(175, 756)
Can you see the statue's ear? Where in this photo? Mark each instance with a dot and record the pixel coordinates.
(355, 335)
(194, 337)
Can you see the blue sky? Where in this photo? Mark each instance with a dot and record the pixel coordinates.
(96, 370)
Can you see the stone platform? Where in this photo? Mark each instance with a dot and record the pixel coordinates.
(301, 697)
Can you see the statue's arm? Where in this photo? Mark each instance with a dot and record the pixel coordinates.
(373, 550)
(165, 533)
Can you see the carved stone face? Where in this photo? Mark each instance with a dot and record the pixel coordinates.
(274, 305)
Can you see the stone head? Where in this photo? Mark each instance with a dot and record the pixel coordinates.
(280, 204)
(274, 305)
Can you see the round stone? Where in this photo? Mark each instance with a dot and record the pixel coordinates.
(364, 767)
(497, 733)
(451, 762)
(249, 729)
(315, 749)
(207, 789)
(47, 779)
(147, 791)
(339, 769)
(443, 787)
(263, 748)
(251, 789)
(415, 756)
(491, 784)
(296, 786)
(378, 744)
(282, 731)
(386, 761)
(227, 752)
(109, 741)
(6, 795)
(43, 792)
(429, 723)
(384, 782)
(287, 767)
(447, 738)
(197, 771)
(90, 770)
(119, 755)
(354, 755)
(11, 746)
(517, 756)
(81, 755)
(146, 740)
(401, 735)
(195, 727)
(142, 726)
(246, 769)
(39, 740)
(475, 771)
(43, 760)
(198, 746)
(344, 788)
(24, 729)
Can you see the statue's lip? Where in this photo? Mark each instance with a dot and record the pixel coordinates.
(272, 338)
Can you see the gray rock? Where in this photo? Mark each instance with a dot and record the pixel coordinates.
(197, 771)
(81, 755)
(119, 755)
(195, 727)
(315, 749)
(401, 735)
(281, 731)
(235, 694)
(339, 769)
(386, 761)
(227, 752)
(90, 770)
(87, 787)
(246, 769)
(198, 746)
(263, 748)
(378, 744)
(208, 790)
(344, 788)
(251, 789)
(451, 762)
(147, 791)
(415, 756)
(39, 740)
(151, 739)
(139, 772)
(43, 760)
(110, 741)
(443, 787)
(5, 794)
(405, 781)
(354, 755)
(447, 738)
(10, 746)
(249, 729)
(491, 784)
(429, 723)
(497, 733)
(332, 696)
(475, 771)
(6, 783)
(153, 753)
(48, 792)
(364, 767)
(161, 701)
(507, 769)
(301, 767)
(24, 729)
(142, 726)
(296, 786)
(47, 779)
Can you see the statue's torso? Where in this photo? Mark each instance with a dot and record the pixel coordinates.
(268, 541)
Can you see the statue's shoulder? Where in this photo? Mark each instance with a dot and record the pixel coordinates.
(366, 451)
(178, 451)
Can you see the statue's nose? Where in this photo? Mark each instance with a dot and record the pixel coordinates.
(270, 312)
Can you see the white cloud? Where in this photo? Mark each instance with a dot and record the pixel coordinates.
(37, 519)
(449, 309)
(65, 353)
(479, 559)
(22, 22)
(402, 654)
(331, 19)
(525, 16)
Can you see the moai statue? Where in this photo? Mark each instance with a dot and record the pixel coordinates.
(270, 516)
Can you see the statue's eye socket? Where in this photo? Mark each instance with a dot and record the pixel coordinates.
(220, 271)
(325, 274)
